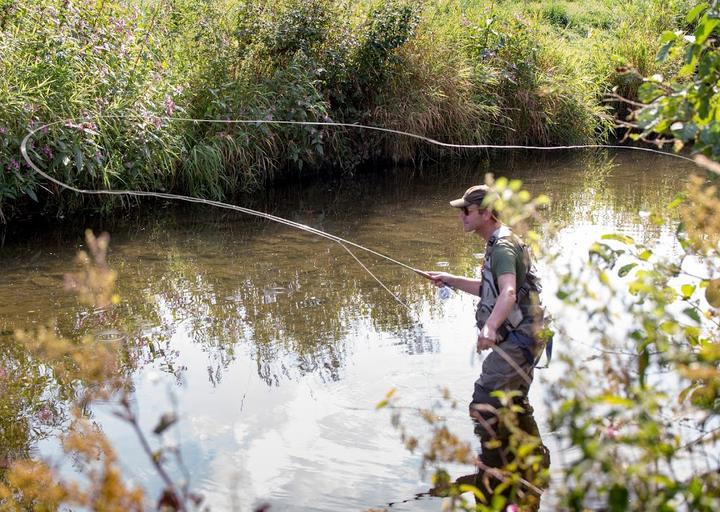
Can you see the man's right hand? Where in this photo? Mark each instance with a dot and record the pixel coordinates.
(441, 279)
(487, 337)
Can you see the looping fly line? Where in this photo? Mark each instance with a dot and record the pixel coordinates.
(72, 123)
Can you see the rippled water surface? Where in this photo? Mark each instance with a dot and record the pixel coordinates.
(277, 345)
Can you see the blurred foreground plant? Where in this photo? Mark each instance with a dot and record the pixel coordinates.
(636, 404)
(81, 372)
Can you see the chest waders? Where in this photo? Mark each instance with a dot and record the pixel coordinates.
(525, 319)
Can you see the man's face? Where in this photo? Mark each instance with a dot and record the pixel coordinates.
(473, 218)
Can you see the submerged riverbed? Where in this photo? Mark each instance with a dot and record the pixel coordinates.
(277, 345)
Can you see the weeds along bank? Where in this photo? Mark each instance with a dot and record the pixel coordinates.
(460, 71)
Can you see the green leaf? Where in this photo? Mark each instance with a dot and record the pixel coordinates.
(617, 400)
(694, 13)
(498, 500)
(385, 401)
(687, 290)
(31, 193)
(691, 58)
(645, 255)
(620, 238)
(668, 35)
(677, 201)
(604, 278)
(618, 498)
(649, 91)
(669, 327)
(471, 488)
(664, 51)
(693, 335)
(712, 293)
(684, 131)
(704, 29)
(638, 335)
(625, 269)
(696, 487)
(692, 313)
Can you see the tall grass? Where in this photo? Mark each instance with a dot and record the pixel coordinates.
(502, 72)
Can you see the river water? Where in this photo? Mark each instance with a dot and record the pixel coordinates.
(276, 345)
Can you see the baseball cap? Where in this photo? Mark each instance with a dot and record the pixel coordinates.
(474, 195)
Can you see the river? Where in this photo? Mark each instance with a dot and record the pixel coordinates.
(276, 345)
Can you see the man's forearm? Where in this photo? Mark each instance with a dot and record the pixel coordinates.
(465, 284)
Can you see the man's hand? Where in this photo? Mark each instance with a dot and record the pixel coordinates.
(486, 339)
(465, 284)
(440, 279)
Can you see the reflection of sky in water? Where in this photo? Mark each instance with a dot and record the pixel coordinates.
(288, 345)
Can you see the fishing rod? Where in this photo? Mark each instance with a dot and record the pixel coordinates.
(344, 243)
(139, 193)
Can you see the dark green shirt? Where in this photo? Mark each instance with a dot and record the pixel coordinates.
(507, 258)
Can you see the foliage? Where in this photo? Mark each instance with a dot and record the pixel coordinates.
(520, 479)
(62, 378)
(686, 107)
(637, 402)
(640, 414)
(129, 74)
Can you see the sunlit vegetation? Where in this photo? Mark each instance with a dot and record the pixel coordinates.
(635, 407)
(62, 378)
(131, 73)
(639, 417)
(638, 413)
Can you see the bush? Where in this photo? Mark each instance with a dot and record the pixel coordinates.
(129, 75)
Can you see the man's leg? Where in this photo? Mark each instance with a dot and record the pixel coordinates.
(494, 434)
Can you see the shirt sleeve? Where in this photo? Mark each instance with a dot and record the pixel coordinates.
(503, 259)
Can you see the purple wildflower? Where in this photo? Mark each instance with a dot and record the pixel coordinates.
(45, 415)
(169, 105)
(14, 165)
(3, 130)
(47, 151)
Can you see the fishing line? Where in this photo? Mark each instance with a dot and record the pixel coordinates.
(71, 123)
(405, 134)
(303, 227)
(218, 204)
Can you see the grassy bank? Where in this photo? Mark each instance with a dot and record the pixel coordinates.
(460, 71)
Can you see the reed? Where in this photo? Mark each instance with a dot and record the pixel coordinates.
(471, 72)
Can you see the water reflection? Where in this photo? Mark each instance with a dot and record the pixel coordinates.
(278, 343)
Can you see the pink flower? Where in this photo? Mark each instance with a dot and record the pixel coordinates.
(512, 508)
(611, 432)
(169, 105)
(44, 415)
(14, 165)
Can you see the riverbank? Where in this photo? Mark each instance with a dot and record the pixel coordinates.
(466, 72)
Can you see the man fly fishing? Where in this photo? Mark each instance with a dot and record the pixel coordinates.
(510, 322)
